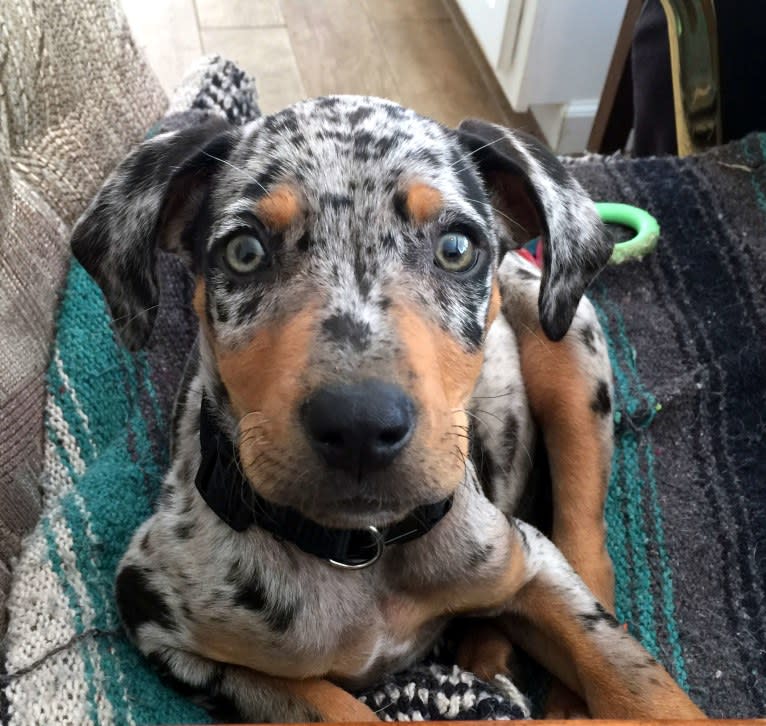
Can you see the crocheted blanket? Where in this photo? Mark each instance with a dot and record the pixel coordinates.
(686, 508)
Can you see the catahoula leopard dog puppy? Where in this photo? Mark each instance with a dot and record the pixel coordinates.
(363, 330)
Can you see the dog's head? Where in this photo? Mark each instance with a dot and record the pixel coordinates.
(344, 252)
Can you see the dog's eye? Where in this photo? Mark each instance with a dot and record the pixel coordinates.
(244, 253)
(455, 252)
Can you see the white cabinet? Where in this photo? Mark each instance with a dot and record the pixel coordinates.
(550, 57)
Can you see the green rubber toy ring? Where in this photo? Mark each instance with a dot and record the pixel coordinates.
(646, 228)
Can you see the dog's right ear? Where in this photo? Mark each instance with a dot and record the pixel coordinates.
(147, 203)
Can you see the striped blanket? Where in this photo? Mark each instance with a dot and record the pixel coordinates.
(686, 508)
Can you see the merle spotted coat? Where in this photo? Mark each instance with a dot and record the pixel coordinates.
(341, 241)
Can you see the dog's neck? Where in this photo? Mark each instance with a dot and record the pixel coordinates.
(231, 496)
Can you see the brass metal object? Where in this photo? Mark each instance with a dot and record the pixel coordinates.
(693, 38)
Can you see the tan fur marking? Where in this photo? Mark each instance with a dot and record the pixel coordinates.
(279, 208)
(485, 651)
(407, 615)
(263, 380)
(332, 702)
(198, 300)
(444, 378)
(494, 304)
(605, 674)
(423, 202)
(560, 397)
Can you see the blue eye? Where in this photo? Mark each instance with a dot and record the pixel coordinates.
(244, 253)
(454, 252)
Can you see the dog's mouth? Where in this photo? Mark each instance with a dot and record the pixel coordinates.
(360, 512)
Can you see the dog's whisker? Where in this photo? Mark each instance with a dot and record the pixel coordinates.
(130, 318)
(489, 413)
(509, 392)
(502, 214)
(540, 340)
(463, 158)
(236, 168)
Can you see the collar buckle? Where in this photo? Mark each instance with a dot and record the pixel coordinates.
(358, 562)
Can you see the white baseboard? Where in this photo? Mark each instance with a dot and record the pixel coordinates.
(566, 126)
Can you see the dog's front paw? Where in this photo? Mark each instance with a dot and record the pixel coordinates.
(561, 703)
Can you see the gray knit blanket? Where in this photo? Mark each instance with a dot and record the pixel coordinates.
(687, 503)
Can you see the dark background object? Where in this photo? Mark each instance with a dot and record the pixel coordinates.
(643, 97)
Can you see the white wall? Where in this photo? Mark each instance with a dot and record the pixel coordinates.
(550, 57)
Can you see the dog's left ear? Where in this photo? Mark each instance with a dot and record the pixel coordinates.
(527, 184)
(148, 203)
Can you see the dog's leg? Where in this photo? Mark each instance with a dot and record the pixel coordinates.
(236, 694)
(556, 619)
(569, 388)
(486, 651)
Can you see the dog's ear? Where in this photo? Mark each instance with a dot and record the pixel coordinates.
(535, 195)
(147, 203)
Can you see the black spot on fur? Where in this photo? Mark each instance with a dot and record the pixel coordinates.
(221, 311)
(269, 175)
(599, 615)
(395, 112)
(277, 615)
(336, 201)
(250, 306)
(480, 555)
(343, 328)
(425, 155)
(482, 461)
(304, 243)
(510, 439)
(472, 331)
(400, 205)
(145, 544)
(588, 338)
(363, 143)
(388, 241)
(207, 694)
(602, 403)
(288, 120)
(472, 188)
(359, 114)
(183, 530)
(138, 602)
(327, 102)
(360, 268)
(526, 274)
(523, 535)
(384, 144)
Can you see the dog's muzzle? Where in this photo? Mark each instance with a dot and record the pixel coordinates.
(359, 427)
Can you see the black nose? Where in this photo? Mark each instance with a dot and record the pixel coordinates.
(360, 426)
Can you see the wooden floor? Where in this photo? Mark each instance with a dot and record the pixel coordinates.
(410, 51)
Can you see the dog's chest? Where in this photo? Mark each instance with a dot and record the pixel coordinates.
(500, 420)
(246, 599)
(313, 621)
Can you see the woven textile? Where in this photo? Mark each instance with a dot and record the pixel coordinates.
(74, 95)
(687, 499)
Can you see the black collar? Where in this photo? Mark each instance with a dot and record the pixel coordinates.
(227, 492)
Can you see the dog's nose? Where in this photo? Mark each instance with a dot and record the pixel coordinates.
(359, 426)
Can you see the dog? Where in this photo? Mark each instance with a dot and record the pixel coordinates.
(354, 435)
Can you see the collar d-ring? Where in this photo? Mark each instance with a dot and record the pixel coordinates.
(376, 541)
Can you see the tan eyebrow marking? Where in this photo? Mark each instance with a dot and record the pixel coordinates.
(423, 202)
(279, 208)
